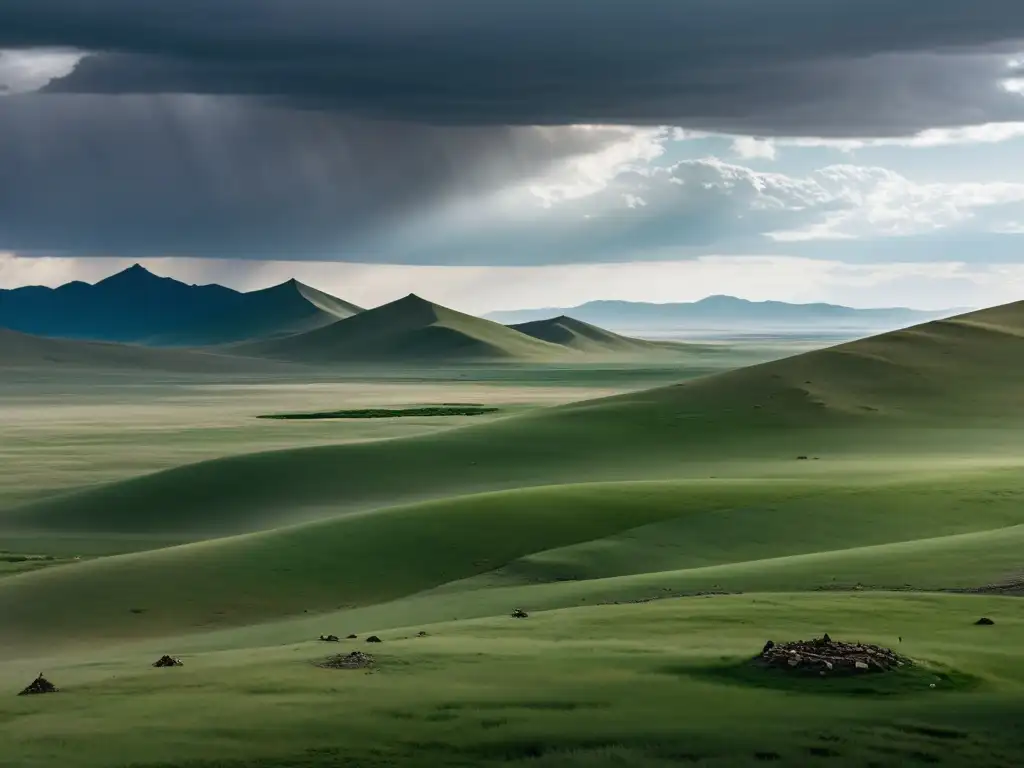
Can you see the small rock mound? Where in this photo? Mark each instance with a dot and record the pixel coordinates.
(984, 622)
(519, 613)
(827, 657)
(39, 685)
(329, 638)
(373, 639)
(352, 637)
(354, 660)
(421, 633)
(168, 661)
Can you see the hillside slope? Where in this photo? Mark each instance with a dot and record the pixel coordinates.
(21, 350)
(545, 547)
(591, 340)
(408, 330)
(281, 310)
(945, 388)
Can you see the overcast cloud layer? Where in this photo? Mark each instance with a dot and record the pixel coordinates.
(362, 129)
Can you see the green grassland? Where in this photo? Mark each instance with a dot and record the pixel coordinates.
(651, 685)
(657, 537)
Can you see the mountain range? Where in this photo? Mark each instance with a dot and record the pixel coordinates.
(295, 323)
(136, 306)
(726, 313)
(135, 319)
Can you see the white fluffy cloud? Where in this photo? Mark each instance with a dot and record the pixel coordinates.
(27, 71)
(752, 148)
(625, 206)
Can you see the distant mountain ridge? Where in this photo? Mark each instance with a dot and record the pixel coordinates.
(136, 306)
(723, 313)
(584, 337)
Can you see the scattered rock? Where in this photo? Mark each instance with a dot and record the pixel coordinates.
(354, 660)
(984, 622)
(519, 613)
(168, 661)
(421, 633)
(39, 685)
(827, 657)
(373, 639)
(352, 637)
(329, 638)
(801, 458)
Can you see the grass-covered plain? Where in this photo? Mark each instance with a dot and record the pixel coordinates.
(657, 537)
(658, 684)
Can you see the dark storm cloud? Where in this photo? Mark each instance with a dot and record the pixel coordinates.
(146, 176)
(325, 122)
(808, 67)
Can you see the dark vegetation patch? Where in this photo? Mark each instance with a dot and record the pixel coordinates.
(533, 748)
(924, 757)
(544, 706)
(388, 413)
(823, 752)
(931, 731)
(440, 717)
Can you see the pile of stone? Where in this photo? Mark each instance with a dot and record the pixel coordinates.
(168, 661)
(824, 657)
(39, 685)
(519, 613)
(354, 660)
(329, 638)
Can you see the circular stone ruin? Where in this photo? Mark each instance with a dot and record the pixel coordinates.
(827, 657)
(354, 660)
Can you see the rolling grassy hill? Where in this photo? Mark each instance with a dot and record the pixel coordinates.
(591, 340)
(409, 330)
(546, 547)
(948, 388)
(21, 350)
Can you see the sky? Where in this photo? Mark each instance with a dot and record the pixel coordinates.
(526, 153)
